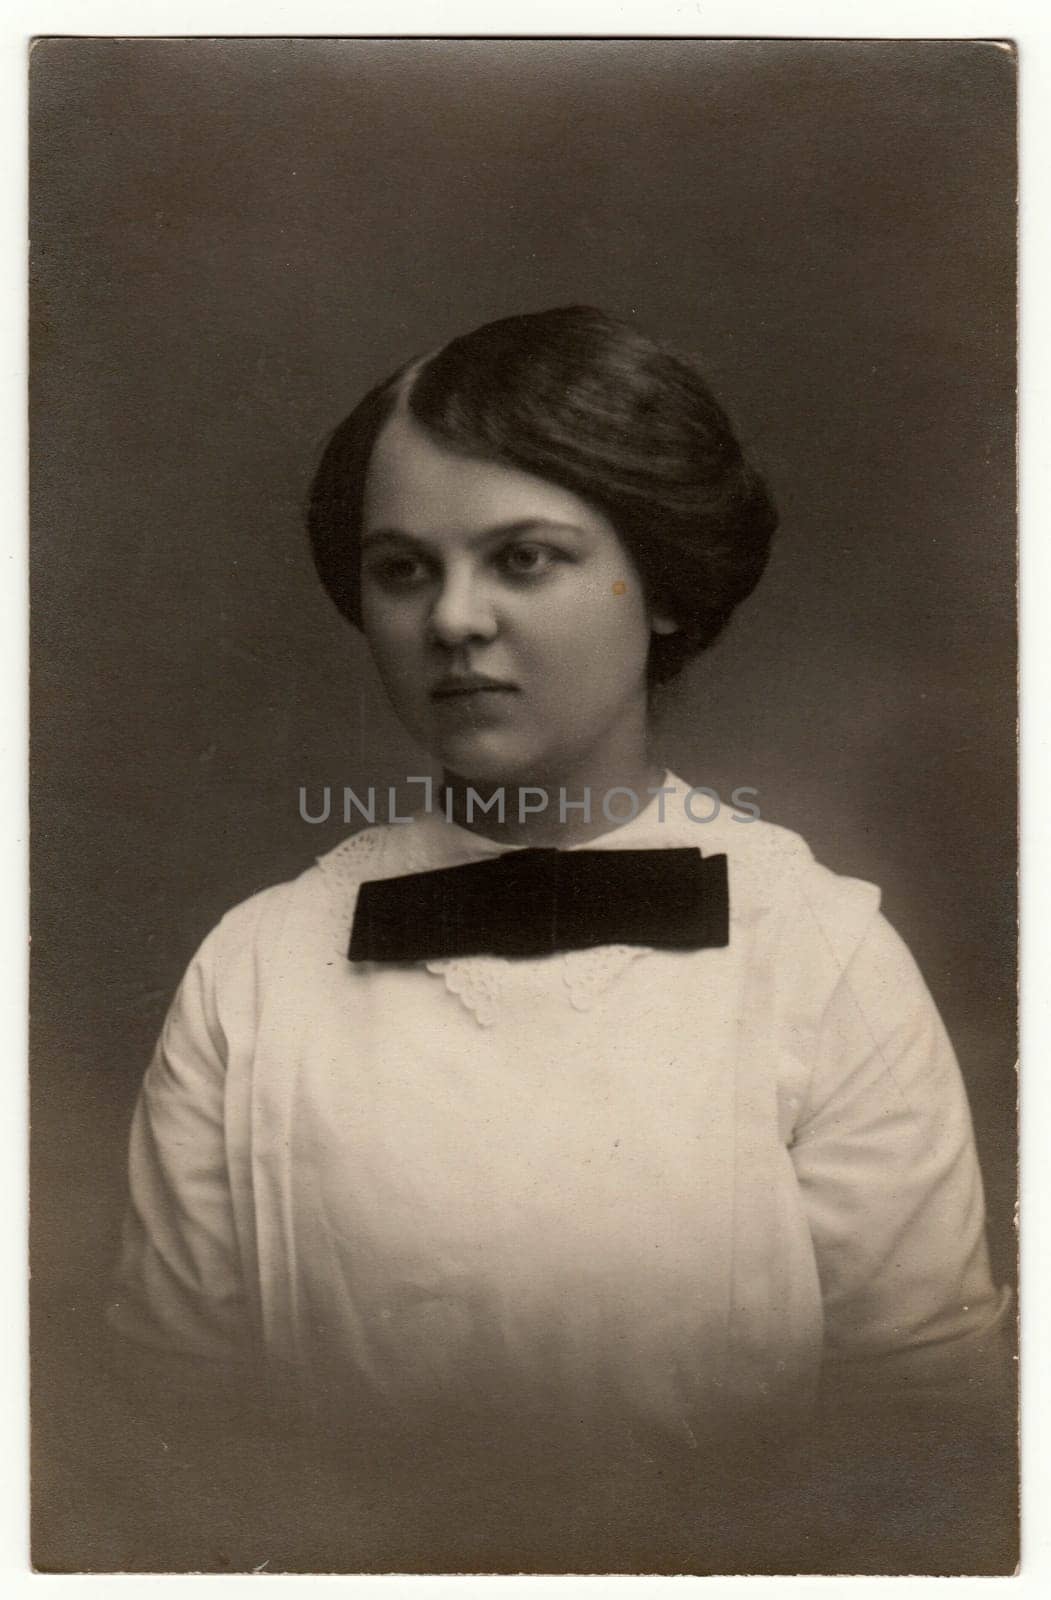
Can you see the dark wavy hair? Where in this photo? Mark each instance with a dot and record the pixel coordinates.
(587, 402)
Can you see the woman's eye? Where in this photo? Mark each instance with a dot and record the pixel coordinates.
(398, 572)
(528, 560)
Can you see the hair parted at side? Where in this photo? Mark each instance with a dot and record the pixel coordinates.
(587, 402)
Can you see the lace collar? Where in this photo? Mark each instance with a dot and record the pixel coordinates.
(480, 983)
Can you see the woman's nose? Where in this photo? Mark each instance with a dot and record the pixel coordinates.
(462, 611)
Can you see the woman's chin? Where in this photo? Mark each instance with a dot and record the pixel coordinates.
(483, 757)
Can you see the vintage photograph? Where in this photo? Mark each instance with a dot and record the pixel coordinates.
(523, 631)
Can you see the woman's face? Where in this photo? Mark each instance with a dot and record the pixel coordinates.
(505, 616)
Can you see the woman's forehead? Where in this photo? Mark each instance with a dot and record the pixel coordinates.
(415, 485)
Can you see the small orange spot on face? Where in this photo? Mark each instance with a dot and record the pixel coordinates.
(620, 587)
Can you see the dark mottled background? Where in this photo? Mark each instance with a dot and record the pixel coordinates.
(231, 239)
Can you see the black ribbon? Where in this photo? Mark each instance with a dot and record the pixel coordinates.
(527, 903)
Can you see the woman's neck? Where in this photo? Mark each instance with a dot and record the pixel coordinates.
(560, 813)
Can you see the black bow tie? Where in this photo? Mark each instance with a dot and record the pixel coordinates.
(535, 902)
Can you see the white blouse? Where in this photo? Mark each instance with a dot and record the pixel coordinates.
(616, 1189)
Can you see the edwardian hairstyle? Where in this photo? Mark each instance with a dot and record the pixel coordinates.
(587, 402)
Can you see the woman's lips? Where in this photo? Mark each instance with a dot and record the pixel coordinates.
(471, 688)
(472, 704)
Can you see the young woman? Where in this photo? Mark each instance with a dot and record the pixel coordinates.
(591, 1181)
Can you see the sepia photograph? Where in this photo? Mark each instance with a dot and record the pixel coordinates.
(523, 799)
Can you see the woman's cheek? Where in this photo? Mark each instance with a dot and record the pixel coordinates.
(391, 630)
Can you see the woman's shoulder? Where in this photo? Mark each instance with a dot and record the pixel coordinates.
(775, 874)
(244, 924)
(382, 850)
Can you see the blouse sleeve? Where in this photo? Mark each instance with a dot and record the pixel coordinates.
(180, 1283)
(885, 1159)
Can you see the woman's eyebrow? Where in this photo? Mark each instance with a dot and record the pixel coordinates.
(500, 530)
(391, 535)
